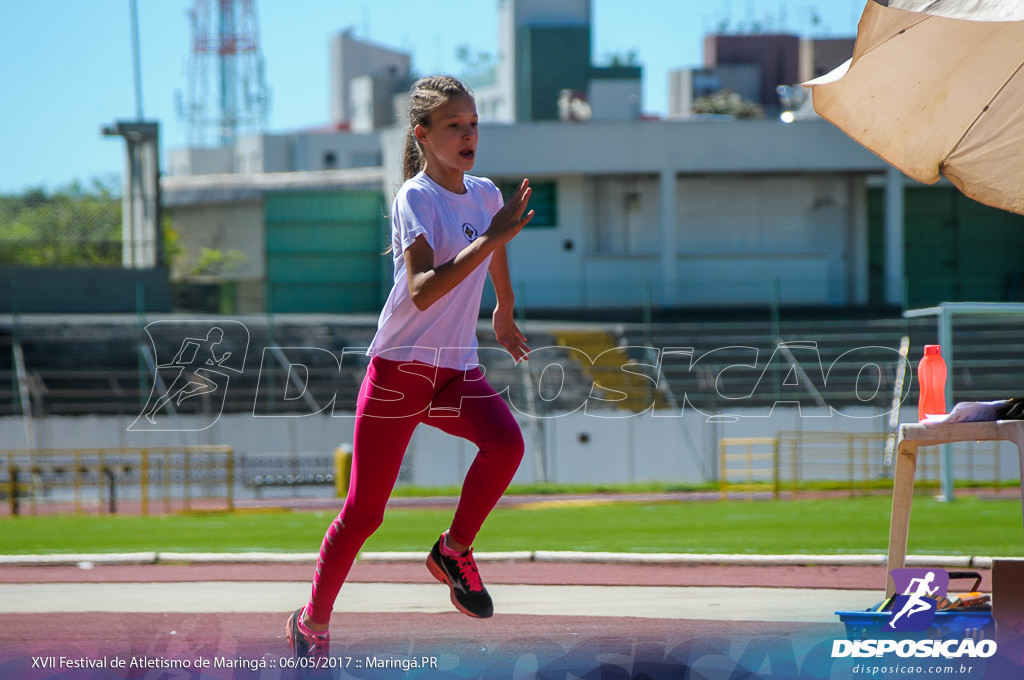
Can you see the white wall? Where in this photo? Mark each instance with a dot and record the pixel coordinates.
(555, 251)
(599, 447)
(737, 238)
(695, 146)
(223, 227)
(259, 153)
(361, 103)
(625, 215)
(350, 149)
(614, 99)
(735, 234)
(757, 204)
(493, 104)
(186, 161)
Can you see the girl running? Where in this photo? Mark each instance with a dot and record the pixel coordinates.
(448, 231)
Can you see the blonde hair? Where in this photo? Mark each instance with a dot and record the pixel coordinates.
(426, 96)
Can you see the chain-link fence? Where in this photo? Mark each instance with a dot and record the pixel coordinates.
(71, 226)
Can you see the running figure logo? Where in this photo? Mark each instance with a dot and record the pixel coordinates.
(914, 610)
(200, 368)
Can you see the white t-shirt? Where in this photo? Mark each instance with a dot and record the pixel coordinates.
(445, 333)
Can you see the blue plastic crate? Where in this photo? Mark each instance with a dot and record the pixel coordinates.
(948, 625)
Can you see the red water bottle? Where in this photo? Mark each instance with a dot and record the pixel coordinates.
(931, 376)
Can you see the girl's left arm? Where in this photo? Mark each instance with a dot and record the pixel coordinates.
(505, 328)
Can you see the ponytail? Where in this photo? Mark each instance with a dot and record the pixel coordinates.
(412, 155)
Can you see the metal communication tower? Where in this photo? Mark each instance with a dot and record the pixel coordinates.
(227, 93)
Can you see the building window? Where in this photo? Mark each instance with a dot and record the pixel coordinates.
(330, 160)
(543, 201)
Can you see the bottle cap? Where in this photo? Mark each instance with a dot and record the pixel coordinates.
(932, 349)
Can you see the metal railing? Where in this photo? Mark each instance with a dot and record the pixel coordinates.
(855, 462)
(166, 479)
(762, 451)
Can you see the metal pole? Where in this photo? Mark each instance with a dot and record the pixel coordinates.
(188, 476)
(946, 343)
(140, 307)
(112, 484)
(135, 58)
(167, 481)
(231, 478)
(12, 472)
(776, 316)
(775, 468)
(722, 470)
(144, 480)
(79, 472)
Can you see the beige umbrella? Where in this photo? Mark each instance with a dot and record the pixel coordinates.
(937, 88)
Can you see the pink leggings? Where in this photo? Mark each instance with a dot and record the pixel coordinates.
(394, 398)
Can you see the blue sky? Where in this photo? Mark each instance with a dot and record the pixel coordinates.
(66, 65)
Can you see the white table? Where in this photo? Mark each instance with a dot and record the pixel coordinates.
(915, 435)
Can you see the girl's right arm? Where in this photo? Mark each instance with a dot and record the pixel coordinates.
(429, 283)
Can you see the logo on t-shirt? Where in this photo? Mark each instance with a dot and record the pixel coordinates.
(470, 232)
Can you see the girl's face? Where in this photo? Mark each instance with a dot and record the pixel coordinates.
(450, 140)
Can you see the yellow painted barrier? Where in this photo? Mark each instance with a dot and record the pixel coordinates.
(342, 469)
(763, 450)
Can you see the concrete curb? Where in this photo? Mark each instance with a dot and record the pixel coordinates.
(942, 561)
(512, 556)
(234, 558)
(77, 559)
(708, 558)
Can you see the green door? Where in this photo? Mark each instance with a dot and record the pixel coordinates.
(324, 251)
(955, 249)
(932, 229)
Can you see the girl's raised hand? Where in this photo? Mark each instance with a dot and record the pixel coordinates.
(510, 220)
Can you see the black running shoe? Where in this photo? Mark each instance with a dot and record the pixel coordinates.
(463, 579)
(314, 648)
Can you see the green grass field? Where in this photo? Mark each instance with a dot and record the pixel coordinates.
(968, 526)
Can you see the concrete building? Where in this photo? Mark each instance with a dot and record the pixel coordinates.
(685, 86)
(777, 55)
(686, 213)
(755, 66)
(352, 59)
(377, 102)
(819, 56)
(544, 52)
(292, 241)
(316, 149)
(631, 213)
(187, 161)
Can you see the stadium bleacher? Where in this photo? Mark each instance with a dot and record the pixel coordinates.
(77, 365)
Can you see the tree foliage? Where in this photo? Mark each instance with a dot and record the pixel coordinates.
(71, 226)
(628, 58)
(727, 103)
(476, 69)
